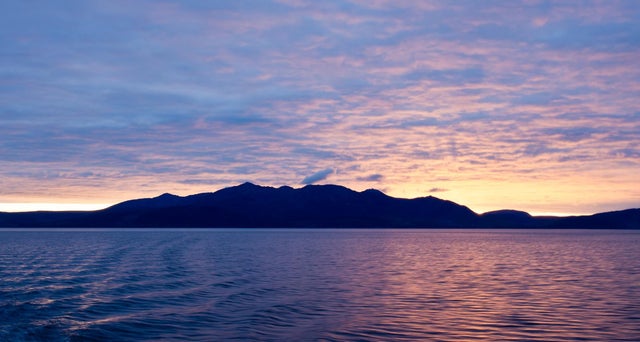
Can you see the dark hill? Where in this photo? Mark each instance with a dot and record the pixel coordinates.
(313, 206)
(624, 219)
(249, 205)
(508, 218)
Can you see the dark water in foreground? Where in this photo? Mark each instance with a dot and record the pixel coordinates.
(320, 285)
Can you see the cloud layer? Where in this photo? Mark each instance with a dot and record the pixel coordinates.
(504, 103)
(318, 176)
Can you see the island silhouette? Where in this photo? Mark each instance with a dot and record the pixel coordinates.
(313, 206)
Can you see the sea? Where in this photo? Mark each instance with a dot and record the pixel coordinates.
(319, 285)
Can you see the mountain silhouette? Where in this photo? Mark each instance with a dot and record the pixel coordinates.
(313, 206)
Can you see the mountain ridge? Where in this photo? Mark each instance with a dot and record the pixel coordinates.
(313, 206)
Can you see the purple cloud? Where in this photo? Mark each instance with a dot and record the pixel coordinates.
(376, 177)
(318, 176)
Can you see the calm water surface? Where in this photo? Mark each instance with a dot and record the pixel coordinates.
(320, 285)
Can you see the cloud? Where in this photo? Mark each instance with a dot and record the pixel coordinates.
(432, 190)
(376, 177)
(318, 176)
(456, 77)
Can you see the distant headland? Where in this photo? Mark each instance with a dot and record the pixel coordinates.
(313, 206)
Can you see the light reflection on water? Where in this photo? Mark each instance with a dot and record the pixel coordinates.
(441, 285)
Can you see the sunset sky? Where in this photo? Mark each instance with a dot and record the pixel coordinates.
(530, 105)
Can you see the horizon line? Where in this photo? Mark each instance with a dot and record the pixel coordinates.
(24, 207)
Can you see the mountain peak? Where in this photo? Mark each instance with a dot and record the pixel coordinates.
(248, 185)
(374, 192)
(166, 195)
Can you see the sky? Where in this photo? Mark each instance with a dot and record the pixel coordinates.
(529, 105)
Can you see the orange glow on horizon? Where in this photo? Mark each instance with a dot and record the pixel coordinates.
(26, 207)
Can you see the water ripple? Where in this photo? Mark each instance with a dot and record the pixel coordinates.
(319, 285)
